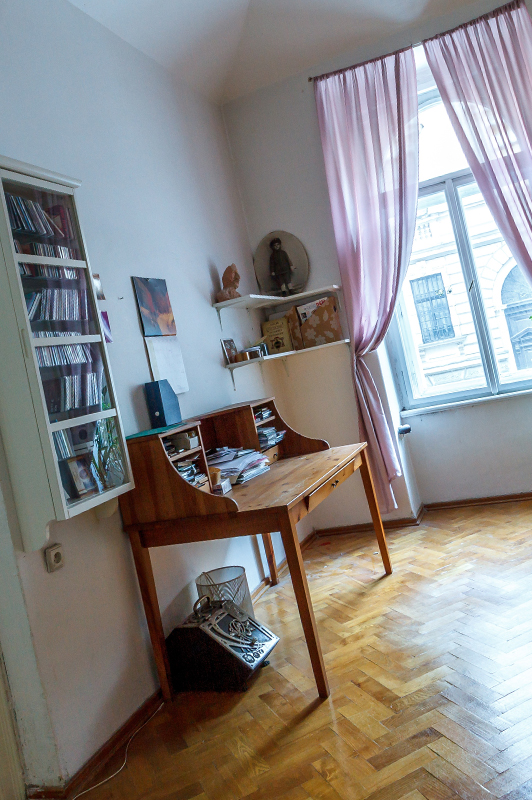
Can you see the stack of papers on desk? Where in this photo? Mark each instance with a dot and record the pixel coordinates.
(238, 465)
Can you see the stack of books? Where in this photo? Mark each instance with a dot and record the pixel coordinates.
(269, 437)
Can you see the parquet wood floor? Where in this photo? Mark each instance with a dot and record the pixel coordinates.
(430, 671)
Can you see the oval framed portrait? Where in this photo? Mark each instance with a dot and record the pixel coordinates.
(281, 264)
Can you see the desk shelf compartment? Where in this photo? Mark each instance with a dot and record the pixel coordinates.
(60, 423)
(195, 455)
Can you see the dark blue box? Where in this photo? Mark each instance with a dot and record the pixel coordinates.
(163, 404)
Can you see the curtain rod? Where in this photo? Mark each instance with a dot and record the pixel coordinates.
(495, 12)
(362, 63)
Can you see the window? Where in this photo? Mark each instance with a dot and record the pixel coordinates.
(462, 326)
(432, 308)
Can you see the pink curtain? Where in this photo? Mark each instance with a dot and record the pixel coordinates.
(483, 71)
(369, 132)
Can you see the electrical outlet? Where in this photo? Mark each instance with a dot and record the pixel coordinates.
(54, 557)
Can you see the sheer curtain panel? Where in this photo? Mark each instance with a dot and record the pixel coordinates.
(483, 71)
(369, 131)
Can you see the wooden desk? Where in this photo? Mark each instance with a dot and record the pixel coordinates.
(274, 501)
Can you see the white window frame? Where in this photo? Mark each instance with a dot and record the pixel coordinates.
(449, 184)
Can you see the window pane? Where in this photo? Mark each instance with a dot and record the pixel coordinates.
(506, 292)
(439, 150)
(437, 329)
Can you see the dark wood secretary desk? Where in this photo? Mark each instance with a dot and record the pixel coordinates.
(165, 509)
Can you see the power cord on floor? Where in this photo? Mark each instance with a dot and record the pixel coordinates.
(85, 791)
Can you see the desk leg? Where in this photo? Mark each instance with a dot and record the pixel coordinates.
(369, 488)
(153, 614)
(270, 556)
(304, 602)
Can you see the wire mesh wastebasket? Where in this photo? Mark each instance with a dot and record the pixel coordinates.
(226, 583)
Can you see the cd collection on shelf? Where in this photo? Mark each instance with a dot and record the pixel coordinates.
(269, 437)
(58, 304)
(45, 249)
(28, 216)
(79, 391)
(67, 416)
(63, 354)
(49, 271)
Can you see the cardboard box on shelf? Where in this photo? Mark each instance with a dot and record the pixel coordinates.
(319, 322)
(295, 328)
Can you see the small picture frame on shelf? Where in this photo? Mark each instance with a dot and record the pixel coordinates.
(82, 475)
(230, 350)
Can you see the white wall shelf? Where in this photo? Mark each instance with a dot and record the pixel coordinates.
(276, 356)
(250, 301)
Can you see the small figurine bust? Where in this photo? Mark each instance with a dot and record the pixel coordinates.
(230, 281)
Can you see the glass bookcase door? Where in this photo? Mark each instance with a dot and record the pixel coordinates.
(90, 458)
(74, 380)
(43, 223)
(58, 300)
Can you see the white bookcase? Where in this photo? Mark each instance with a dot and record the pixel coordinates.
(59, 419)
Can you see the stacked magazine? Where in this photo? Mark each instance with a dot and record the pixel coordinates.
(238, 465)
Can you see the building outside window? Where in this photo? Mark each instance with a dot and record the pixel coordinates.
(462, 327)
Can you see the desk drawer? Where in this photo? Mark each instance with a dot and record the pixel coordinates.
(335, 480)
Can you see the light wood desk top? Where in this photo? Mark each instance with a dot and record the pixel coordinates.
(292, 479)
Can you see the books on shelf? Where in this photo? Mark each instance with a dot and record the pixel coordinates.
(63, 354)
(33, 300)
(58, 305)
(64, 304)
(53, 334)
(63, 444)
(52, 250)
(60, 217)
(70, 392)
(48, 271)
(28, 216)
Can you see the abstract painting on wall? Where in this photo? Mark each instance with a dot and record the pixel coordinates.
(154, 307)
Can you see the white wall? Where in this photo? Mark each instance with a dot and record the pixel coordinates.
(481, 450)
(274, 139)
(314, 391)
(157, 199)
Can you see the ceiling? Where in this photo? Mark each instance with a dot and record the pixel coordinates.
(228, 48)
